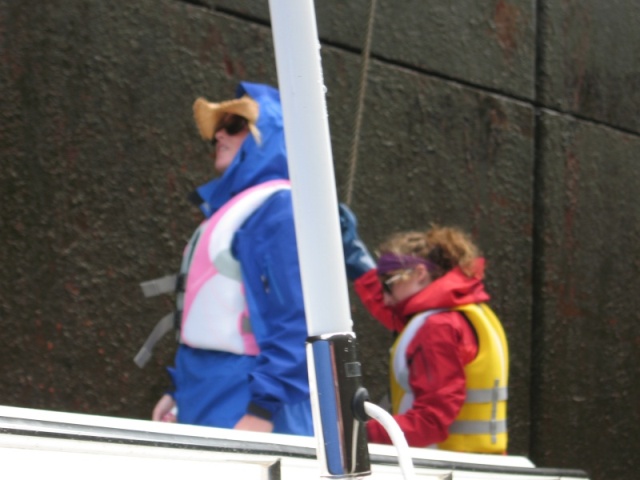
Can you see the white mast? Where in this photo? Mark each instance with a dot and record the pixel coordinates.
(315, 204)
(334, 371)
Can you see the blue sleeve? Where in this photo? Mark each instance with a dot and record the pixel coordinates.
(266, 248)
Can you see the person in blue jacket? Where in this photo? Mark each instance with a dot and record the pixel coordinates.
(241, 361)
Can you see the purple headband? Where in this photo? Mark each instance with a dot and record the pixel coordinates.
(390, 262)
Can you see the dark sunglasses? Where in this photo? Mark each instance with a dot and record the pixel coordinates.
(388, 282)
(232, 124)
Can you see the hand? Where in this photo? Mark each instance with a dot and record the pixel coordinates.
(357, 258)
(254, 424)
(163, 411)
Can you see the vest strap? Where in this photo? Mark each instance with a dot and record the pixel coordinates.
(487, 395)
(158, 286)
(166, 324)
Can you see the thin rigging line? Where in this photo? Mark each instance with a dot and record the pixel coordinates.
(361, 94)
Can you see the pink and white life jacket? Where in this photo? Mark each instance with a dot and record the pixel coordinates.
(214, 310)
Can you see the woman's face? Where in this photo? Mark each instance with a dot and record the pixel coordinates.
(227, 140)
(399, 286)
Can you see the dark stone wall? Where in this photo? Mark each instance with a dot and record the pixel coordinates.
(514, 120)
(586, 342)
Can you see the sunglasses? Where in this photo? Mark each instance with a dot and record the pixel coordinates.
(388, 283)
(232, 124)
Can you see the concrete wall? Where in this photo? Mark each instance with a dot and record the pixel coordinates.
(514, 120)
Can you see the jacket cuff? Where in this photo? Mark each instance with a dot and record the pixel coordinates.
(195, 198)
(260, 412)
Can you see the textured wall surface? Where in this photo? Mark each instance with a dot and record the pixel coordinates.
(515, 120)
(589, 60)
(586, 349)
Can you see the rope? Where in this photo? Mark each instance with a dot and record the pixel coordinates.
(397, 438)
(361, 93)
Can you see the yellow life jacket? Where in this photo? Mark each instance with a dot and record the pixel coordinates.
(481, 425)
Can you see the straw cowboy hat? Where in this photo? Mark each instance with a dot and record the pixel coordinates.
(208, 115)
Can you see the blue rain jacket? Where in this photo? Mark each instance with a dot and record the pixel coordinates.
(217, 388)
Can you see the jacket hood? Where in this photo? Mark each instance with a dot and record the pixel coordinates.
(254, 163)
(453, 289)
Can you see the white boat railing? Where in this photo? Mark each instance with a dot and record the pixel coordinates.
(48, 444)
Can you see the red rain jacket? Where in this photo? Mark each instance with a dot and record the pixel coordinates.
(437, 354)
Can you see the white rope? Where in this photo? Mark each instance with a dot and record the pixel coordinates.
(397, 438)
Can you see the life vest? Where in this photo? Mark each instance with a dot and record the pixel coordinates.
(481, 425)
(211, 310)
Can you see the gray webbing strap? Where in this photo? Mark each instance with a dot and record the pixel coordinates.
(486, 395)
(158, 286)
(165, 325)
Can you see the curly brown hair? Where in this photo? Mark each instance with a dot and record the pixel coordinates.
(445, 247)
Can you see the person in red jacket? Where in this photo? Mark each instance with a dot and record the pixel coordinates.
(428, 287)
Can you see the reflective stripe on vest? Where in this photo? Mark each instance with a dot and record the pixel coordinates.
(476, 427)
(481, 424)
(215, 314)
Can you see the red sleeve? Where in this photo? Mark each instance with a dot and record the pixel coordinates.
(436, 376)
(369, 290)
